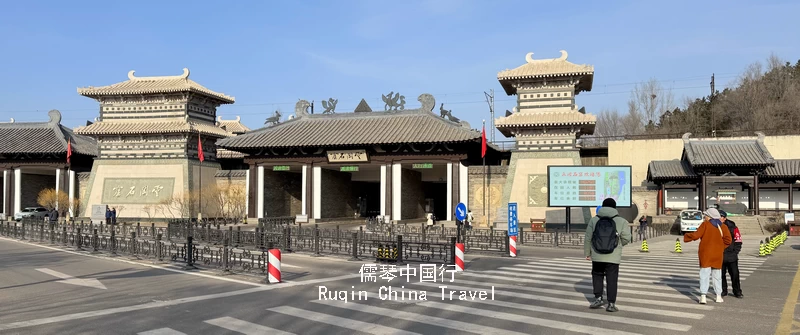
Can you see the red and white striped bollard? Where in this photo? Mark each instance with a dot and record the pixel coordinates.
(512, 245)
(459, 257)
(274, 266)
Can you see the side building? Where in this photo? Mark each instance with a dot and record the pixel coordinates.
(398, 164)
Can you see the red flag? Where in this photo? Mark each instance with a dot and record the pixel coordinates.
(69, 149)
(200, 149)
(483, 142)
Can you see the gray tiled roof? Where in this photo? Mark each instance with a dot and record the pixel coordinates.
(784, 168)
(153, 85)
(739, 152)
(674, 169)
(43, 137)
(388, 127)
(230, 174)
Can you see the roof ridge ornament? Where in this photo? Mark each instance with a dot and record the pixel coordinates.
(427, 100)
(55, 116)
(395, 101)
(184, 75)
(529, 57)
(329, 105)
(301, 108)
(274, 119)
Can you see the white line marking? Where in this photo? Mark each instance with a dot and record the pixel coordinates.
(574, 302)
(589, 329)
(648, 284)
(245, 327)
(159, 304)
(67, 279)
(687, 304)
(419, 318)
(162, 331)
(585, 315)
(351, 324)
(626, 269)
(658, 264)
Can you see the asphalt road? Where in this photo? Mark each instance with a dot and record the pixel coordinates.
(51, 291)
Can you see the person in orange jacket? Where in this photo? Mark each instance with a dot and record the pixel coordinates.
(714, 238)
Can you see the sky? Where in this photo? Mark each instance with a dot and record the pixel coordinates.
(269, 54)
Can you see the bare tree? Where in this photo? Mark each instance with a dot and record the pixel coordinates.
(650, 100)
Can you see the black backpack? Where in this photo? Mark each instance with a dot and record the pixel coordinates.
(604, 237)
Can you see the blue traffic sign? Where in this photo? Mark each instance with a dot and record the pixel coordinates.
(461, 211)
(513, 230)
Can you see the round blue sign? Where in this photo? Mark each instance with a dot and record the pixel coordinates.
(461, 211)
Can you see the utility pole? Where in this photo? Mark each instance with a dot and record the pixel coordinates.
(490, 101)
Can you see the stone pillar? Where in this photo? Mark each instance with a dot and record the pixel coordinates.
(662, 199)
(756, 196)
(397, 177)
(71, 177)
(463, 184)
(6, 205)
(260, 192)
(247, 193)
(17, 190)
(791, 196)
(383, 190)
(388, 201)
(304, 196)
(316, 192)
(450, 206)
(58, 185)
(252, 186)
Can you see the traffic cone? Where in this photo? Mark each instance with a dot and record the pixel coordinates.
(678, 246)
(762, 252)
(379, 254)
(644, 246)
(768, 247)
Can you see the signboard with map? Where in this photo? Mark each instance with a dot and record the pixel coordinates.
(588, 186)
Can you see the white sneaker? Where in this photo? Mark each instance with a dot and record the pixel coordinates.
(703, 299)
(719, 298)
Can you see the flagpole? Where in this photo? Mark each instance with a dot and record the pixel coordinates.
(483, 155)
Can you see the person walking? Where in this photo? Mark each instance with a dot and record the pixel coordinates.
(713, 241)
(603, 242)
(730, 259)
(470, 218)
(113, 216)
(642, 227)
(108, 215)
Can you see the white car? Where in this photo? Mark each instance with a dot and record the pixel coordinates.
(690, 220)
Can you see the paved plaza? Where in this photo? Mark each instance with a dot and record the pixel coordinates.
(50, 290)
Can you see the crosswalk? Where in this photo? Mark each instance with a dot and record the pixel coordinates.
(657, 294)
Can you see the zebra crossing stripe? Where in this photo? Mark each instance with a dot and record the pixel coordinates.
(555, 311)
(574, 302)
(627, 269)
(653, 285)
(244, 327)
(356, 325)
(418, 318)
(651, 264)
(742, 259)
(677, 281)
(687, 304)
(162, 331)
(627, 272)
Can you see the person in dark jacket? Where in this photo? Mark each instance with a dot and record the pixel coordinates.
(108, 215)
(113, 216)
(730, 259)
(53, 216)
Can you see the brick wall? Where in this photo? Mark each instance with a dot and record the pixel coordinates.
(32, 184)
(495, 179)
(412, 197)
(337, 198)
(282, 193)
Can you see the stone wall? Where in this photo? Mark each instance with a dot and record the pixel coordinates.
(646, 200)
(494, 182)
(227, 178)
(282, 193)
(412, 197)
(32, 184)
(337, 198)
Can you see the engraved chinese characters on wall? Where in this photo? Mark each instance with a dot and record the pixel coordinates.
(345, 156)
(537, 190)
(137, 190)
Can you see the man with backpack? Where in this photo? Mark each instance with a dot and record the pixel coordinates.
(606, 233)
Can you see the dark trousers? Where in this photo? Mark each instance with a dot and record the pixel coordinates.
(611, 273)
(733, 269)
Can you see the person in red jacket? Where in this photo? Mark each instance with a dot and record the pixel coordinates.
(730, 259)
(713, 241)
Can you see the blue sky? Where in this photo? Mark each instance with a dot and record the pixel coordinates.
(268, 54)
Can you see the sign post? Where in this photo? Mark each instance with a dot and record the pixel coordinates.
(461, 214)
(512, 229)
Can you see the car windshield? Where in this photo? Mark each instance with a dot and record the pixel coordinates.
(27, 210)
(696, 215)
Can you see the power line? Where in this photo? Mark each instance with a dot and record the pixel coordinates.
(441, 96)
